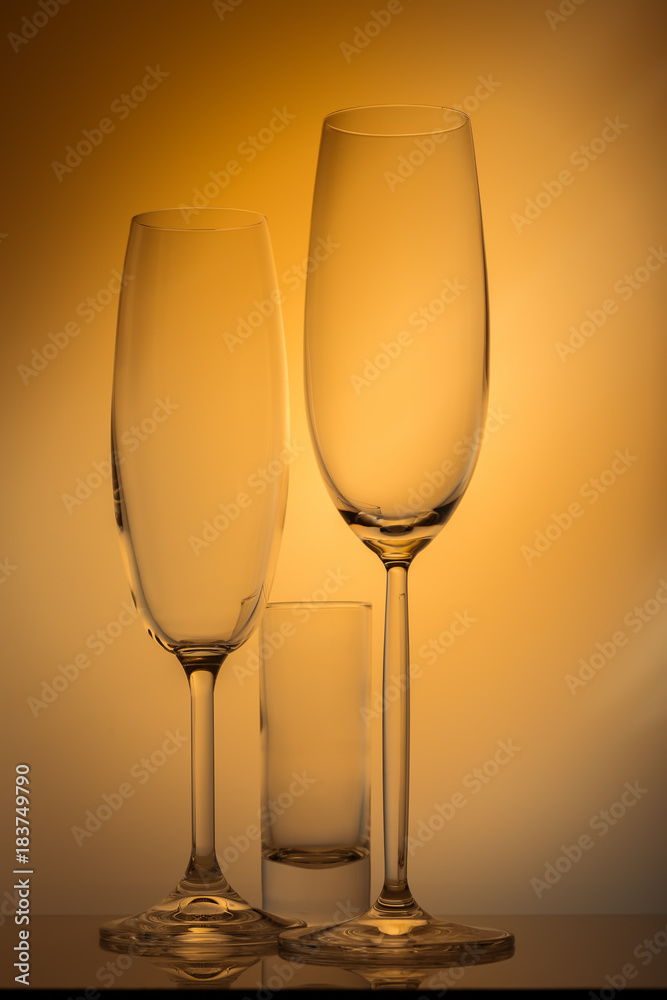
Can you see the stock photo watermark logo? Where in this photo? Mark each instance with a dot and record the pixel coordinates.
(636, 619)
(420, 320)
(142, 770)
(332, 583)
(292, 277)
(295, 275)
(474, 781)
(249, 148)
(581, 158)
(423, 148)
(284, 971)
(278, 972)
(112, 970)
(645, 951)
(625, 287)
(364, 34)
(9, 906)
(222, 7)
(88, 309)
(591, 491)
(30, 26)
(131, 440)
(122, 107)
(271, 810)
(97, 642)
(565, 9)
(259, 481)
(431, 652)
(7, 569)
(464, 449)
(601, 823)
(471, 955)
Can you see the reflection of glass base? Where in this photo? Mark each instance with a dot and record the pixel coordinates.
(194, 921)
(409, 937)
(317, 894)
(217, 973)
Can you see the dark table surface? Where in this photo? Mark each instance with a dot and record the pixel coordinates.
(604, 954)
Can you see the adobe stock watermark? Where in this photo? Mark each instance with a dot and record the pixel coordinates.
(88, 309)
(565, 9)
(131, 439)
(122, 107)
(263, 308)
(474, 781)
(423, 148)
(7, 569)
(636, 619)
(9, 906)
(464, 449)
(645, 951)
(378, 20)
(601, 823)
(97, 642)
(112, 970)
(431, 652)
(258, 483)
(331, 584)
(268, 812)
(142, 771)
(419, 320)
(625, 287)
(591, 491)
(281, 971)
(249, 148)
(447, 978)
(223, 7)
(581, 158)
(30, 26)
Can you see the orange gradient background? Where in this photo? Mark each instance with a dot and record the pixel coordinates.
(545, 89)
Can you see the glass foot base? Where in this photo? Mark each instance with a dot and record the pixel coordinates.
(406, 937)
(196, 921)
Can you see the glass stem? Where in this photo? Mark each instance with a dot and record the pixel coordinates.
(396, 741)
(203, 868)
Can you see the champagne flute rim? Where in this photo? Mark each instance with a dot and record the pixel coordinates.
(461, 119)
(153, 219)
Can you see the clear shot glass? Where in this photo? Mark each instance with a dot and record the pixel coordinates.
(314, 690)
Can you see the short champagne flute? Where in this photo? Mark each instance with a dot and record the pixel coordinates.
(197, 414)
(396, 372)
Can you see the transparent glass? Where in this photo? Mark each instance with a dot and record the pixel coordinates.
(314, 692)
(396, 366)
(198, 416)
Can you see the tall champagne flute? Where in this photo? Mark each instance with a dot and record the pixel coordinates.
(198, 412)
(396, 356)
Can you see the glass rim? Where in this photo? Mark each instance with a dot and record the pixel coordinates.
(317, 605)
(142, 219)
(462, 119)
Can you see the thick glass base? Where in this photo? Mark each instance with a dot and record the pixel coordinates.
(403, 938)
(196, 922)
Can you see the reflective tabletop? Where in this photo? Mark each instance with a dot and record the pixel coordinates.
(605, 955)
